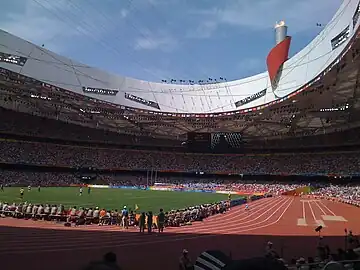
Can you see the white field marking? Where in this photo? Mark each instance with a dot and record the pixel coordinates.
(49, 235)
(211, 225)
(225, 220)
(333, 218)
(272, 223)
(255, 205)
(322, 210)
(235, 223)
(317, 222)
(267, 218)
(331, 212)
(239, 212)
(50, 238)
(301, 222)
(320, 223)
(303, 210)
(312, 211)
(91, 245)
(233, 216)
(235, 210)
(85, 240)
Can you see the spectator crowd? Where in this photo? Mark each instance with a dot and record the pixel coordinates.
(349, 194)
(244, 187)
(47, 154)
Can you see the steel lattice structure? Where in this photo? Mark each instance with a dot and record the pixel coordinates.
(313, 92)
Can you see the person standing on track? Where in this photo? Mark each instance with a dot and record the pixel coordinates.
(39, 188)
(149, 221)
(161, 221)
(80, 191)
(21, 193)
(142, 219)
(124, 218)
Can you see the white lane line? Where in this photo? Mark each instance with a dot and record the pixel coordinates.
(312, 212)
(303, 210)
(321, 209)
(302, 221)
(327, 208)
(318, 222)
(245, 219)
(272, 223)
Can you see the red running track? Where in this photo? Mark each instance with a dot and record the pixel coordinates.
(25, 243)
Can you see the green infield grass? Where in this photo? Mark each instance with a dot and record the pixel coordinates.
(146, 200)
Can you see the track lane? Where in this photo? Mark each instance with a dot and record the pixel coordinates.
(126, 240)
(280, 223)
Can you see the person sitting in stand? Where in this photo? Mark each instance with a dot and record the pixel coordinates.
(89, 216)
(114, 217)
(96, 215)
(40, 211)
(34, 211)
(80, 217)
(47, 211)
(102, 220)
(72, 216)
(132, 219)
(185, 261)
(28, 210)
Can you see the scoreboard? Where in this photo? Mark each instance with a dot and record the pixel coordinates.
(199, 141)
(214, 142)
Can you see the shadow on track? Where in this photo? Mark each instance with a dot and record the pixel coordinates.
(72, 249)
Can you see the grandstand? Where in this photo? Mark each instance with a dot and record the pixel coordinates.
(315, 91)
(285, 143)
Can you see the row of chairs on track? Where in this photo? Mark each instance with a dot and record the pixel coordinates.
(79, 218)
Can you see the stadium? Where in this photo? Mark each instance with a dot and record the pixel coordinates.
(246, 172)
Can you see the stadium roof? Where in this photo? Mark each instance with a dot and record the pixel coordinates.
(313, 92)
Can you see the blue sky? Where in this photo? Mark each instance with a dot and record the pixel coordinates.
(163, 39)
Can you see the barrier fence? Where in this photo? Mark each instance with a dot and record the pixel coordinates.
(180, 189)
